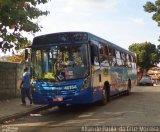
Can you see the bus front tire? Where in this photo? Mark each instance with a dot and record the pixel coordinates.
(104, 100)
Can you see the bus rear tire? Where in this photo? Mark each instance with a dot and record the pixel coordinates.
(129, 87)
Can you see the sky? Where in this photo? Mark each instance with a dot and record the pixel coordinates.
(122, 22)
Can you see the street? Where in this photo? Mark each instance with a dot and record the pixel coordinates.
(141, 108)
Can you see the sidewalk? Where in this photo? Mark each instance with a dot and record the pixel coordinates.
(12, 109)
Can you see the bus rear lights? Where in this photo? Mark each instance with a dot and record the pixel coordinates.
(57, 99)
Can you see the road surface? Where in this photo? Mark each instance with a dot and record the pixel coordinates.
(124, 113)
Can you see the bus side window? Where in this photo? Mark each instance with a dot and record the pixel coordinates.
(101, 48)
(114, 62)
(112, 56)
(130, 61)
(103, 57)
(106, 50)
(134, 62)
(123, 58)
(110, 51)
(94, 55)
(127, 60)
(118, 58)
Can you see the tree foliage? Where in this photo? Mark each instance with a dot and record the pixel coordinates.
(18, 17)
(147, 54)
(153, 8)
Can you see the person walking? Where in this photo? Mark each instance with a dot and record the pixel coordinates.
(25, 87)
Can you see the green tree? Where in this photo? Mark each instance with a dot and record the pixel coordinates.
(18, 17)
(147, 54)
(153, 8)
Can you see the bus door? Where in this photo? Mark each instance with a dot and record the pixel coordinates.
(96, 70)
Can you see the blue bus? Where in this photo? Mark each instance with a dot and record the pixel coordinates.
(79, 68)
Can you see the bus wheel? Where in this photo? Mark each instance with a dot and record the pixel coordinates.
(129, 87)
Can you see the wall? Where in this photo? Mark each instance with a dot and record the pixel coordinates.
(10, 78)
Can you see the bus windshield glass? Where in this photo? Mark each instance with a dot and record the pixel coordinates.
(60, 63)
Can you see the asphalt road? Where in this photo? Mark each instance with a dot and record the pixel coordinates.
(124, 113)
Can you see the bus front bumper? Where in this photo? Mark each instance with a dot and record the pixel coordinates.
(81, 98)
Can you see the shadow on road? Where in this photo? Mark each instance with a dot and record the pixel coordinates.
(119, 111)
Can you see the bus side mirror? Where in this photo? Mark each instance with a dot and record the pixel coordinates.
(26, 54)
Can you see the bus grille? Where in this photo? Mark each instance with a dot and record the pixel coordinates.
(58, 92)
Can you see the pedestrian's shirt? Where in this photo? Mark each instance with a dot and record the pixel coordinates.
(26, 80)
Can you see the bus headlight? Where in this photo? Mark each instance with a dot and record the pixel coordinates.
(33, 87)
(86, 83)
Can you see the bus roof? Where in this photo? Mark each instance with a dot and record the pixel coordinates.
(69, 37)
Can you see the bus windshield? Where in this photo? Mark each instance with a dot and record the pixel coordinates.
(60, 63)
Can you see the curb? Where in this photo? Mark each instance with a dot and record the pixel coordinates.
(24, 113)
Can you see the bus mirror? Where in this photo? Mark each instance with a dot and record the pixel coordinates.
(26, 54)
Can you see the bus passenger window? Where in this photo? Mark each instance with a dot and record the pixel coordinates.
(118, 54)
(104, 60)
(94, 55)
(114, 53)
(106, 50)
(123, 58)
(103, 57)
(134, 63)
(110, 52)
(129, 61)
(114, 62)
(118, 58)
(101, 49)
(111, 56)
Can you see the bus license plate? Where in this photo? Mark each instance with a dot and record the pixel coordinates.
(57, 99)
